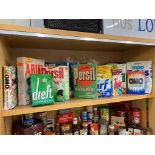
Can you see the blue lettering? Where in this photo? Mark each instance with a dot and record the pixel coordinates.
(151, 25)
(140, 29)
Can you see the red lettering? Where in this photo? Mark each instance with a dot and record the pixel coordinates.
(27, 73)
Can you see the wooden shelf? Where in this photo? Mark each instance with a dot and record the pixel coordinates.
(73, 103)
(28, 37)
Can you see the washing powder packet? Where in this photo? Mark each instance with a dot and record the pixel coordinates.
(117, 82)
(104, 79)
(10, 87)
(70, 64)
(25, 67)
(41, 89)
(136, 82)
(60, 81)
(145, 66)
(85, 81)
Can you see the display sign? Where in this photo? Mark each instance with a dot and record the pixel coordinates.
(140, 28)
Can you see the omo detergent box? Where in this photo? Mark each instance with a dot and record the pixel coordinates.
(145, 66)
(41, 89)
(26, 67)
(60, 80)
(104, 78)
(10, 87)
(85, 81)
(136, 82)
(117, 82)
(70, 65)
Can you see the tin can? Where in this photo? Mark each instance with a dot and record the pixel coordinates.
(104, 113)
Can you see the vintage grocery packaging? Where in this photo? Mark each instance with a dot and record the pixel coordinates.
(105, 113)
(85, 82)
(136, 82)
(10, 87)
(124, 78)
(60, 81)
(104, 78)
(70, 65)
(143, 66)
(26, 67)
(117, 82)
(41, 89)
(118, 121)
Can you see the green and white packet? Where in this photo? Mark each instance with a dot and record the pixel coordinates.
(41, 89)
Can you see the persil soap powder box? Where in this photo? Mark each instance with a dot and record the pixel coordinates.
(26, 67)
(145, 66)
(104, 79)
(85, 81)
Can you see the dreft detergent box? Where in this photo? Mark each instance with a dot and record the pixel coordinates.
(26, 67)
(85, 81)
(41, 89)
(145, 66)
(104, 79)
(60, 81)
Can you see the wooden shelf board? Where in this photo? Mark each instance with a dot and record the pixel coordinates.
(28, 37)
(73, 103)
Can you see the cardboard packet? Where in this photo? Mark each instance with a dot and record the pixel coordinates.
(104, 78)
(26, 67)
(41, 89)
(10, 87)
(85, 81)
(60, 81)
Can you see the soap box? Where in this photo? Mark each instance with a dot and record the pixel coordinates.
(70, 65)
(26, 67)
(136, 82)
(117, 82)
(41, 89)
(10, 87)
(85, 81)
(104, 78)
(143, 66)
(60, 81)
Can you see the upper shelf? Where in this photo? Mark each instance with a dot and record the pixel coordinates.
(28, 37)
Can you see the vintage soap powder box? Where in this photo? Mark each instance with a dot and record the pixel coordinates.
(124, 78)
(136, 82)
(70, 65)
(143, 66)
(85, 82)
(117, 82)
(41, 89)
(104, 77)
(60, 81)
(26, 67)
(10, 87)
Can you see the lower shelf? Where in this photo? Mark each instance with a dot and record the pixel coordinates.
(73, 103)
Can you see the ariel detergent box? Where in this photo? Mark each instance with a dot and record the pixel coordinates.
(85, 81)
(104, 78)
(10, 87)
(146, 67)
(41, 89)
(26, 67)
(60, 81)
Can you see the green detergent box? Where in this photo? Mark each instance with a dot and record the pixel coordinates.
(85, 81)
(41, 89)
